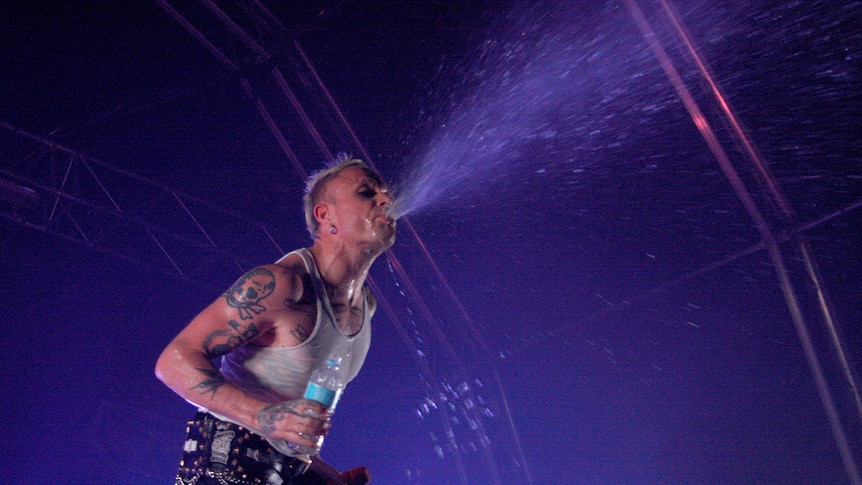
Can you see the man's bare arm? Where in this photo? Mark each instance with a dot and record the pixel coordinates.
(238, 318)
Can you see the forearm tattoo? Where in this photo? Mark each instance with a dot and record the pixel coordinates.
(245, 295)
(211, 383)
(268, 416)
(221, 342)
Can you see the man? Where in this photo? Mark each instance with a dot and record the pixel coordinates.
(272, 329)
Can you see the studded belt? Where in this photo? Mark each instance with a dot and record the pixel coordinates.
(233, 455)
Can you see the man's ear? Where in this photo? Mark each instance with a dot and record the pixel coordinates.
(321, 213)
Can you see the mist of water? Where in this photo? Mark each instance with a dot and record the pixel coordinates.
(535, 97)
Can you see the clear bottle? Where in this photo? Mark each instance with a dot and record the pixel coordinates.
(325, 386)
(326, 383)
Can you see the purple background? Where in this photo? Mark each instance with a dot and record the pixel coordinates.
(580, 341)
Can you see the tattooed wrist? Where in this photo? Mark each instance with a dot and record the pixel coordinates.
(268, 416)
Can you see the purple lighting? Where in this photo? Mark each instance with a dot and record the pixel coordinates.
(628, 249)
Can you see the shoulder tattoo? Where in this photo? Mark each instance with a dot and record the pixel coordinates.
(245, 295)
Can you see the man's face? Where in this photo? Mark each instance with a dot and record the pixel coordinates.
(358, 203)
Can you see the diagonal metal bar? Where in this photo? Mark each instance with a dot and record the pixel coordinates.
(101, 185)
(197, 34)
(67, 206)
(769, 239)
(194, 219)
(303, 115)
(63, 184)
(273, 128)
(236, 29)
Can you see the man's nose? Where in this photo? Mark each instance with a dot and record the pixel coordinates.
(383, 198)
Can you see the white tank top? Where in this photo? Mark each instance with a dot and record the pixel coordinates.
(276, 374)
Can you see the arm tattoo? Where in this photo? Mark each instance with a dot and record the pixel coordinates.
(268, 416)
(221, 342)
(245, 295)
(211, 383)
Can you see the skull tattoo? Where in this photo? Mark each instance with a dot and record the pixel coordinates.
(247, 293)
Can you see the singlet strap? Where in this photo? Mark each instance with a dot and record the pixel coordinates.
(317, 280)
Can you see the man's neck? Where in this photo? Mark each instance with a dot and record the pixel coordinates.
(343, 271)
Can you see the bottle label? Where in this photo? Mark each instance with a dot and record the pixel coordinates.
(324, 396)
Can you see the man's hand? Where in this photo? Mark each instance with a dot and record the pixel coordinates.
(301, 421)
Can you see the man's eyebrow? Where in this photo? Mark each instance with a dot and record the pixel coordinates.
(374, 182)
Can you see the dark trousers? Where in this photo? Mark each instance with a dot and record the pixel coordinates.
(217, 452)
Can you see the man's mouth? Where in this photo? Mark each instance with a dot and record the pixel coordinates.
(389, 220)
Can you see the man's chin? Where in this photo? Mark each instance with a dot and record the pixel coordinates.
(389, 242)
(385, 242)
(387, 234)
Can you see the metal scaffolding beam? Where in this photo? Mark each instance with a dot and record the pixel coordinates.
(61, 191)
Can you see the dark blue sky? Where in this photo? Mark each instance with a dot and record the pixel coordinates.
(593, 306)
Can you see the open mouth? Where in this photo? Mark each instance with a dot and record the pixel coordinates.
(389, 220)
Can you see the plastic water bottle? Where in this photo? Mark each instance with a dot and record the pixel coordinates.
(325, 386)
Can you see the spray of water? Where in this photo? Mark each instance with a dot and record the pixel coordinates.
(535, 96)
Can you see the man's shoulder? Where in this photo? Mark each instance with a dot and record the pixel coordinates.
(285, 278)
(289, 265)
(289, 269)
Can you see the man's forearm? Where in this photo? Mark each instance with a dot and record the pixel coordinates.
(191, 375)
